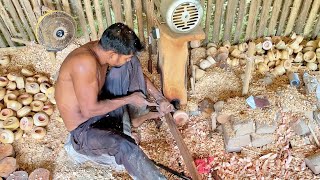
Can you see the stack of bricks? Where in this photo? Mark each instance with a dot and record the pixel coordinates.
(238, 134)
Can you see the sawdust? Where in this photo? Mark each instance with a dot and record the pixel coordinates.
(158, 144)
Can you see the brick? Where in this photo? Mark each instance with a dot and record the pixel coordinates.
(313, 162)
(234, 143)
(244, 127)
(265, 128)
(259, 140)
(300, 127)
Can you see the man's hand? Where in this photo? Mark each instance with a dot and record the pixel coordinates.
(164, 107)
(138, 99)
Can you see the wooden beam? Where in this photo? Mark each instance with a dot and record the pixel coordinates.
(23, 19)
(292, 18)
(312, 16)
(138, 6)
(108, 13)
(2, 42)
(264, 17)
(6, 33)
(80, 13)
(208, 19)
(87, 5)
(316, 29)
(217, 20)
(231, 10)
(274, 17)
(99, 17)
(251, 25)
(284, 14)
(240, 17)
(66, 6)
(7, 20)
(128, 13)
(302, 18)
(117, 9)
(30, 13)
(15, 18)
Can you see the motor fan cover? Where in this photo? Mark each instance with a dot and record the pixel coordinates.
(182, 16)
(55, 30)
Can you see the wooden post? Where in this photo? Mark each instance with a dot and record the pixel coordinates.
(107, 10)
(138, 6)
(66, 6)
(87, 5)
(217, 20)
(316, 31)
(173, 58)
(99, 17)
(117, 9)
(208, 19)
(241, 13)
(82, 19)
(302, 18)
(15, 18)
(128, 12)
(293, 15)
(284, 14)
(6, 33)
(312, 17)
(23, 19)
(274, 17)
(231, 10)
(249, 67)
(2, 42)
(251, 25)
(264, 18)
(6, 20)
(30, 13)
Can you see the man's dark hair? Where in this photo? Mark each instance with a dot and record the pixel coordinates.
(121, 39)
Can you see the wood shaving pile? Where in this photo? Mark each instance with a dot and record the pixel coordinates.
(277, 160)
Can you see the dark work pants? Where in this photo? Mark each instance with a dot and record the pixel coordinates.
(103, 135)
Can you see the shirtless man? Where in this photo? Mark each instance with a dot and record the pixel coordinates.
(100, 86)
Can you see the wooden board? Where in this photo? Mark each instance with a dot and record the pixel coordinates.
(128, 13)
(23, 19)
(107, 11)
(16, 19)
(99, 17)
(264, 17)
(217, 20)
(208, 19)
(274, 17)
(312, 16)
(231, 10)
(251, 25)
(93, 32)
(138, 6)
(117, 9)
(2, 42)
(80, 13)
(29, 13)
(66, 6)
(187, 158)
(240, 17)
(302, 18)
(284, 14)
(292, 18)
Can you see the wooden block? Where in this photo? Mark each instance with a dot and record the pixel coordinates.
(7, 166)
(6, 150)
(313, 162)
(173, 53)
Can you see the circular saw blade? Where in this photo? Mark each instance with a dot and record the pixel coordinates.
(55, 30)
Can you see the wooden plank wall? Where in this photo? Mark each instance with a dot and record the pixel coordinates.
(225, 20)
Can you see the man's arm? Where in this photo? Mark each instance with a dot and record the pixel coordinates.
(85, 83)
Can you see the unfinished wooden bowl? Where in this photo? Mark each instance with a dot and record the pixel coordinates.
(180, 117)
(12, 76)
(26, 72)
(205, 64)
(212, 51)
(279, 70)
(40, 119)
(312, 66)
(40, 97)
(2, 93)
(25, 99)
(14, 105)
(6, 113)
(310, 56)
(6, 136)
(11, 123)
(42, 79)
(36, 106)
(26, 123)
(243, 47)
(298, 58)
(38, 133)
(32, 88)
(23, 111)
(4, 60)
(11, 85)
(3, 81)
(281, 45)
(48, 109)
(262, 68)
(20, 82)
(30, 80)
(9, 97)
